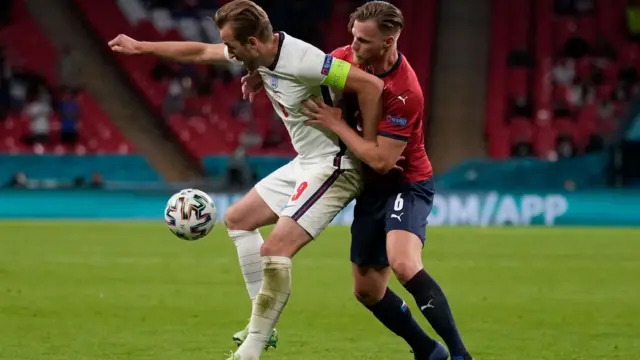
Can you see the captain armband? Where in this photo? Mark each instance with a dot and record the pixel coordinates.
(336, 70)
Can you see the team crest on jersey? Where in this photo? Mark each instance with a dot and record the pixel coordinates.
(397, 120)
(328, 60)
(274, 82)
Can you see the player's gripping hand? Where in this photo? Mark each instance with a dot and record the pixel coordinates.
(125, 45)
(330, 118)
(251, 85)
(322, 114)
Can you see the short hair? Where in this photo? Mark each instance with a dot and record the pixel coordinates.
(388, 17)
(246, 19)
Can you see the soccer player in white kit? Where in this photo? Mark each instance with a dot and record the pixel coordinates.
(304, 196)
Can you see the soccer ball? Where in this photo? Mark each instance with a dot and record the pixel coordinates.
(190, 214)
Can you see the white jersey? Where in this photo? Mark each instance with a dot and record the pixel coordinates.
(298, 73)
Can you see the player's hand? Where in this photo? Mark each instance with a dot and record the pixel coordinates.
(251, 85)
(125, 45)
(321, 114)
(397, 167)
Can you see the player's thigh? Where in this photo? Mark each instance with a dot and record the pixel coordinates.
(249, 213)
(405, 224)
(321, 193)
(369, 283)
(368, 236)
(262, 205)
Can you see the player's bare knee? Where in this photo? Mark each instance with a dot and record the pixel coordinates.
(277, 245)
(365, 298)
(370, 285)
(286, 239)
(367, 295)
(234, 219)
(405, 269)
(249, 213)
(271, 247)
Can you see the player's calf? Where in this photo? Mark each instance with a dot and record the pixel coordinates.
(404, 250)
(242, 220)
(370, 288)
(434, 306)
(285, 240)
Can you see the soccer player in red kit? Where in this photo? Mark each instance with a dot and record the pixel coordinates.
(390, 215)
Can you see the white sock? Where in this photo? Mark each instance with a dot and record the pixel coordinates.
(248, 245)
(271, 300)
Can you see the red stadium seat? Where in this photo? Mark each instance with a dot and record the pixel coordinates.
(518, 79)
(545, 141)
(499, 143)
(565, 126)
(550, 32)
(521, 130)
(520, 20)
(27, 41)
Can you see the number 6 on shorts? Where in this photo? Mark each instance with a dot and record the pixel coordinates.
(397, 206)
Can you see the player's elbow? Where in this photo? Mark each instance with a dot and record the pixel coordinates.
(376, 85)
(369, 86)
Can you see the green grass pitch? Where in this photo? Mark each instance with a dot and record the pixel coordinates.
(93, 291)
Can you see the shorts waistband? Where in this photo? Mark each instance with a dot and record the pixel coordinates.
(339, 162)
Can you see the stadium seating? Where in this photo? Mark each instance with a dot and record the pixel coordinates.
(207, 127)
(101, 148)
(28, 46)
(211, 116)
(532, 28)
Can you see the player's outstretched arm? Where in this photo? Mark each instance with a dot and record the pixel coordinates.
(179, 51)
(381, 154)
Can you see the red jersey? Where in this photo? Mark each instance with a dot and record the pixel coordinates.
(403, 112)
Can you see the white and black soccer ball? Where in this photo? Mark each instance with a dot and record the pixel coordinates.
(190, 214)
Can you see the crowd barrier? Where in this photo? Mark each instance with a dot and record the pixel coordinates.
(68, 167)
(603, 208)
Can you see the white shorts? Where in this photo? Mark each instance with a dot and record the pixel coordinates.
(312, 195)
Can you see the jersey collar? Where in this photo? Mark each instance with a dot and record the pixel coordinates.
(272, 67)
(393, 68)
